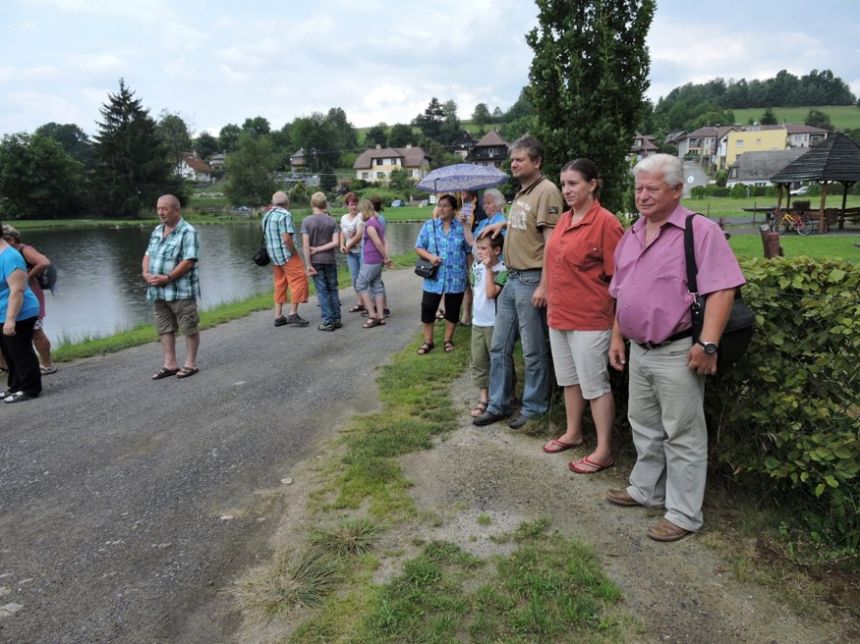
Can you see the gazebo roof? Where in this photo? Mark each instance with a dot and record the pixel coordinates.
(837, 158)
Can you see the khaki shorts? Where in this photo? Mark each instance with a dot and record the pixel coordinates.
(179, 315)
(582, 358)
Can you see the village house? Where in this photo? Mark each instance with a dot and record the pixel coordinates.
(376, 164)
(644, 145)
(491, 149)
(756, 168)
(463, 145)
(193, 169)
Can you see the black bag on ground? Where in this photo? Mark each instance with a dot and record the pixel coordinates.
(739, 327)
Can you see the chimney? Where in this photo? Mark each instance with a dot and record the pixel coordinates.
(378, 147)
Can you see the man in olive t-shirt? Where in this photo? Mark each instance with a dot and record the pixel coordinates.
(522, 303)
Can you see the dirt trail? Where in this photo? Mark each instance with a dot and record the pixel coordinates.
(679, 592)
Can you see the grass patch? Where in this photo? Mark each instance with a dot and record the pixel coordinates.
(817, 246)
(843, 117)
(548, 590)
(729, 208)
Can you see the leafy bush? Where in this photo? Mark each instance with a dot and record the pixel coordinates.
(788, 415)
(739, 191)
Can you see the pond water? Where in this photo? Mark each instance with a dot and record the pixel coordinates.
(100, 290)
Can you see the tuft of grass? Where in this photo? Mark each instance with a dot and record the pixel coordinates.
(291, 582)
(484, 519)
(526, 531)
(348, 538)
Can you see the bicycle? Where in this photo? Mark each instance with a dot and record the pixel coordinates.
(798, 223)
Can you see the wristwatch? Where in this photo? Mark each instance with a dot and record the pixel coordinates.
(709, 347)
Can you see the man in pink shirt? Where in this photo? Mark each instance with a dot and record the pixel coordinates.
(667, 371)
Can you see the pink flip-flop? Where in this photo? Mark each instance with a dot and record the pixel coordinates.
(555, 446)
(586, 466)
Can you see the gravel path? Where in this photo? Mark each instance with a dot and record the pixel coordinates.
(126, 505)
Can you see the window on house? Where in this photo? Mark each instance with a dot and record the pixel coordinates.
(365, 175)
(739, 143)
(378, 161)
(380, 175)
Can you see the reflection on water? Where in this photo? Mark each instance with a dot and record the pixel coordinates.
(99, 285)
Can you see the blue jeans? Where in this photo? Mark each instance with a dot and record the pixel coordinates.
(325, 282)
(353, 261)
(515, 314)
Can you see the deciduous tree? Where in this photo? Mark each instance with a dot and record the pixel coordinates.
(400, 135)
(481, 115)
(205, 145)
(174, 135)
(588, 77)
(38, 178)
(248, 170)
(228, 137)
(131, 165)
(817, 118)
(377, 135)
(73, 139)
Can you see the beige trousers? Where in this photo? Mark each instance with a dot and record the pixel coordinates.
(665, 409)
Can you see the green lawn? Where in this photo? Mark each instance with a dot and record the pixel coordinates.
(716, 207)
(793, 245)
(843, 117)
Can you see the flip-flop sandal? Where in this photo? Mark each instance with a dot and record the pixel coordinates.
(164, 372)
(425, 348)
(187, 372)
(586, 466)
(372, 322)
(478, 409)
(555, 446)
(449, 346)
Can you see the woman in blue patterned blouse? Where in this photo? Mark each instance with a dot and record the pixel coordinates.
(442, 241)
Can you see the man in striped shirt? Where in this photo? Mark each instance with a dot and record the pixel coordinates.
(170, 271)
(288, 269)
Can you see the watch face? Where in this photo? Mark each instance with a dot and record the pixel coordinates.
(710, 348)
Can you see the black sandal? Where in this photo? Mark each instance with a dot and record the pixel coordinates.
(427, 347)
(357, 308)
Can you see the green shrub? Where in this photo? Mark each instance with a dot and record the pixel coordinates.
(739, 191)
(788, 415)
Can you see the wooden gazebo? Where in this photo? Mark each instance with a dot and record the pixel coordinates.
(834, 160)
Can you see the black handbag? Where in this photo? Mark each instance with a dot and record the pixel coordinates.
(426, 269)
(741, 323)
(261, 257)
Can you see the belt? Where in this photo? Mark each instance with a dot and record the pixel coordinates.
(514, 271)
(688, 333)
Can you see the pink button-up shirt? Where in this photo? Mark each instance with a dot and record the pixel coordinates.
(650, 282)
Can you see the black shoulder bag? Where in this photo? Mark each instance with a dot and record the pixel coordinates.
(426, 269)
(739, 328)
(261, 257)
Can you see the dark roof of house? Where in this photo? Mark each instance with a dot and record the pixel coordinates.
(762, 165)
(709, 130)
(491, 138)
(412, 157)
(465, 140)
(837, 158)
(674, 137)
(648, 142)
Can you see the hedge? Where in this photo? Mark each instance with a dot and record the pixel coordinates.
(788, 415)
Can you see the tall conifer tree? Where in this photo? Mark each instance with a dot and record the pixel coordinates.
(131, 166)
(588, 77)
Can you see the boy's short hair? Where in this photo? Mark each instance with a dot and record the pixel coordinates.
(495, 242)
(318, 200)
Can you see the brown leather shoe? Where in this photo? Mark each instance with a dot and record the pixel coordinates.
(621, 497)
(665, 530)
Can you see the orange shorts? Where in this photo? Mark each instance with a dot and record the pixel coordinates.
(290, 276)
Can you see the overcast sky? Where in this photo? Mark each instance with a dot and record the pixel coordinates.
(220, 61)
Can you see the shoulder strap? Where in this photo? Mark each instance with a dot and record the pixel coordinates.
(690, 254)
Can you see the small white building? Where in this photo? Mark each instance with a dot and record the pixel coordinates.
(193, 169)
(376, 164)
